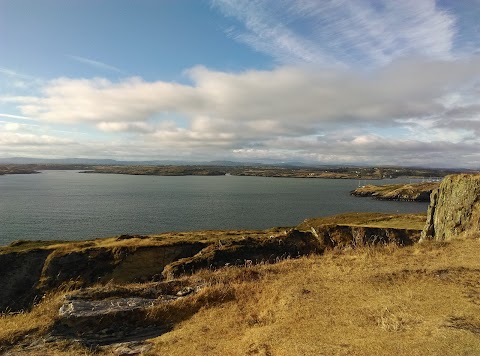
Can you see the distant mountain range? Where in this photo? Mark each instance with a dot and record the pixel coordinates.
(96, 161)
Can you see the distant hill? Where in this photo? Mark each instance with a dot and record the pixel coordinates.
(219, 163)
(99, 161)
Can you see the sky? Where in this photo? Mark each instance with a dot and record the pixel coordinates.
(366, 82)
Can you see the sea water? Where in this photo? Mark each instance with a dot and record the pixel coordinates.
(68, 205)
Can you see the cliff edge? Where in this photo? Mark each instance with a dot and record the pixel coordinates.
(38, 267)
(454, 208)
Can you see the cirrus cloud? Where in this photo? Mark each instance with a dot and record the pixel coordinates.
(342, 31)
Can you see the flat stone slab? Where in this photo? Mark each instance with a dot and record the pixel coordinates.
(81, 308)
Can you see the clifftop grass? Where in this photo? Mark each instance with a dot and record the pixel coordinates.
(378, 220)
(168, 238)
(385, 300)
(419, 300)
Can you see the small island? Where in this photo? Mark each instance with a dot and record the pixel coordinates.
(404, 192)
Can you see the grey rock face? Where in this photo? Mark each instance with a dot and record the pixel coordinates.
(94, 308)
(454, 208)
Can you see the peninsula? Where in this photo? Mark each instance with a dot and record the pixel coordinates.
(404, 192)
(236, 169)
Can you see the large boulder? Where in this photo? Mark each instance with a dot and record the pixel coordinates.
(454, 208)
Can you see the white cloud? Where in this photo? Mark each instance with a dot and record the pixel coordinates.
(76, 100)
(387, 115)
(277, 101)
(9, 138)
(124, 127)
(366, 149)
(17, 81)
(357, 81)
(10, 126)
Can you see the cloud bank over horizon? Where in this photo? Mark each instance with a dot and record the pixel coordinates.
(350, 82)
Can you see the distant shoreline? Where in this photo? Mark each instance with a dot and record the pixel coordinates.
(360, 173)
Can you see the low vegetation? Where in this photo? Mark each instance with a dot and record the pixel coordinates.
(383, 300)
(167, 238)
(375, 220)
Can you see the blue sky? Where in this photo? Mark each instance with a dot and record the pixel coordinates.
(333, 81)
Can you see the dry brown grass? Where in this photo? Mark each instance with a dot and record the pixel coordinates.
(14, 327)
(32, 329)
(417, 300)
(420, 300)
(167, 238)
(379, 220)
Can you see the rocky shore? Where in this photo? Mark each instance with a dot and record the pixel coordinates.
(402, 192)
(42, 266)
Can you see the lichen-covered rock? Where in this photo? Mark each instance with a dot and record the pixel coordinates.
(454, 207)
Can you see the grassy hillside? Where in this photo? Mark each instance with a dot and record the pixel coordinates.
(386, 300)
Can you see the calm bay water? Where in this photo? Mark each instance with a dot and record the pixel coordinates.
(68, 205)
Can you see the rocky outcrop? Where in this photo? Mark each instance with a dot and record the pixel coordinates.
(403, 192)
(293, 243)
(454, 208)
(105, 315)
(118, 264)
(29, 274)
(246, 252)
(341, 236)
